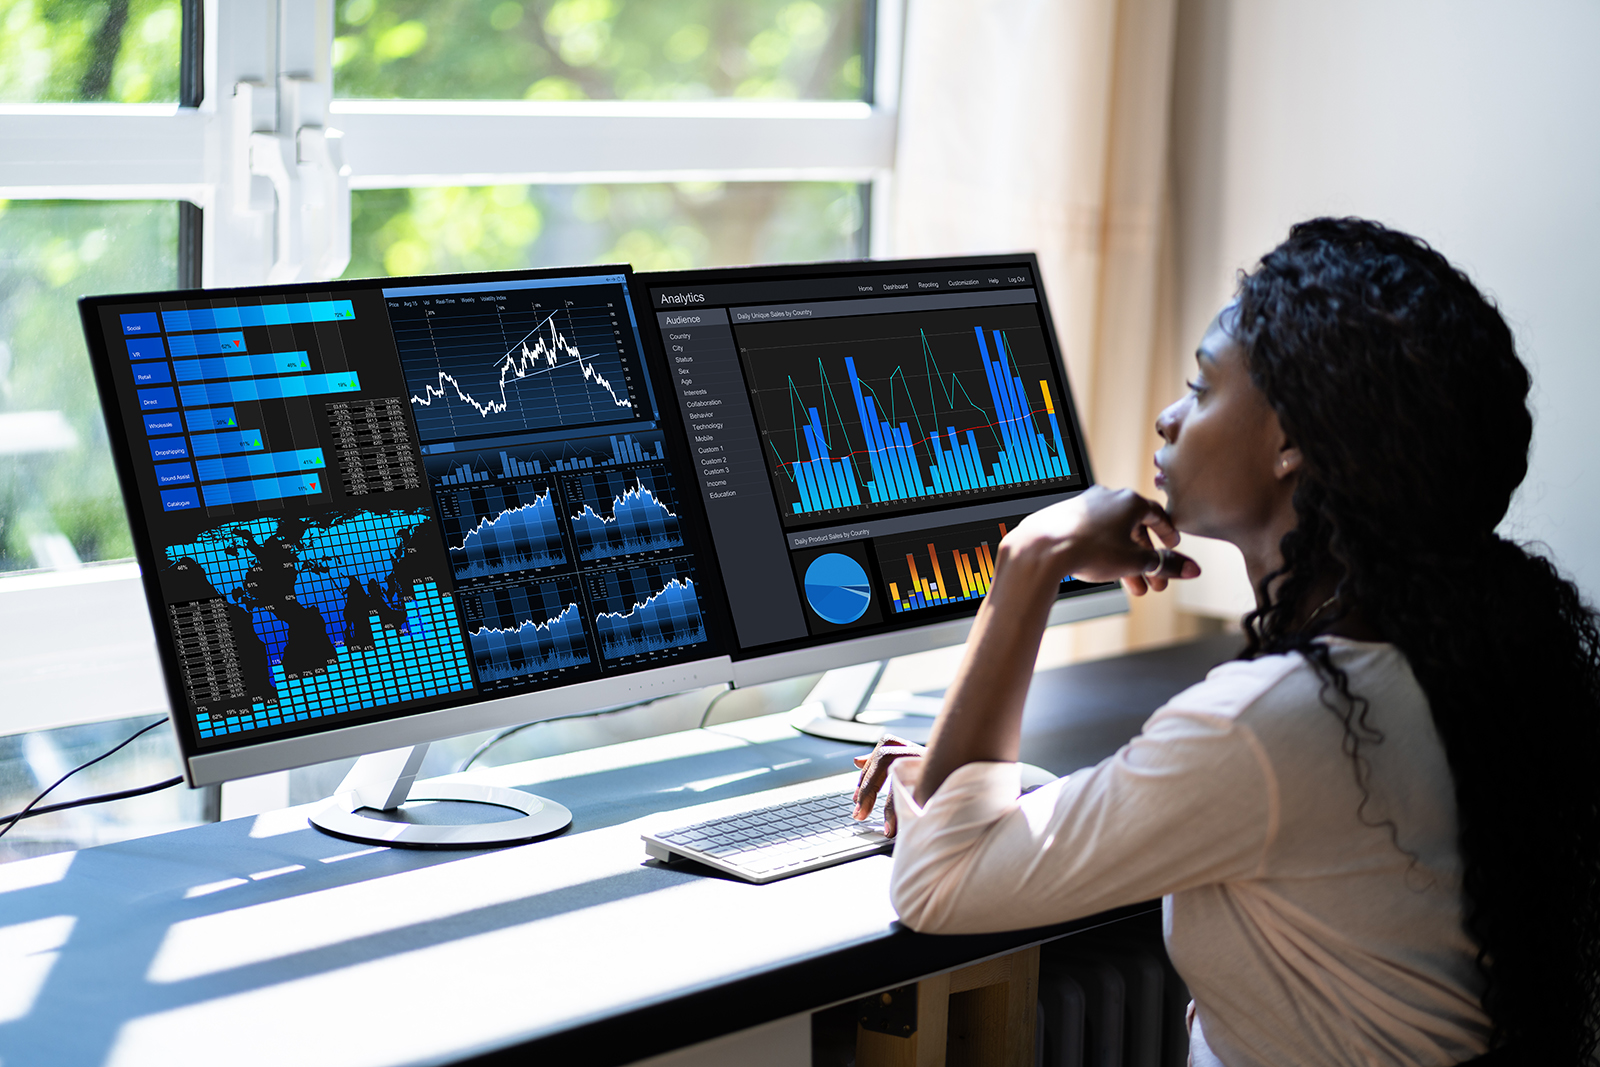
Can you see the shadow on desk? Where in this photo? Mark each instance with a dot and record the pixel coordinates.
(261, 940)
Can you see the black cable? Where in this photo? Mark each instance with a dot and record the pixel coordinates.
(103, 798)
(32, 804)
(705, 715)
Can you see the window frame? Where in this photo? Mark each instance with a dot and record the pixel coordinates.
(258, 134)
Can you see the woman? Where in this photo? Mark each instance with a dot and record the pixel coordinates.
(1377, 832)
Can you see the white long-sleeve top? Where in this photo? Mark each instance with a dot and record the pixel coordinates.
(1308, 929)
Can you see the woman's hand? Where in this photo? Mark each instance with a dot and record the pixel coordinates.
(875, 775)
(1103, 535)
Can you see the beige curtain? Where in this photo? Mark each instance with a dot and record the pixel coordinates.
(1042, 125)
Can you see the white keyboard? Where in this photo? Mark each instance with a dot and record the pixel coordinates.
(765, 844)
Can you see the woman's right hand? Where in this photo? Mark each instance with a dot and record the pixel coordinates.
(1102, 535)
(875, 776)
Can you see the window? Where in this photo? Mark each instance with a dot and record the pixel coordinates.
(154, 143)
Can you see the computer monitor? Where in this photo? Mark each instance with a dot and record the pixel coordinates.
(371, 514)
(872, 429)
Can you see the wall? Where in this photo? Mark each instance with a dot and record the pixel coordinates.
(1473, 124)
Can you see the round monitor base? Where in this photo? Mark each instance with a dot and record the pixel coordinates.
(540, 818)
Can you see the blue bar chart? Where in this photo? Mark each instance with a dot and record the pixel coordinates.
(622, 514)
(534, 460)
(646, 609)
(220, 318)
(918, 415)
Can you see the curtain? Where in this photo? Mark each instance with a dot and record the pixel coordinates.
(1042, 125)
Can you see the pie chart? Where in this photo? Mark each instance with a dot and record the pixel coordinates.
(837, 588)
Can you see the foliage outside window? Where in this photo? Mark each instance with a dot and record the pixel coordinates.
(599, 49)
(59, 501)
(125, 51)
(652, 226)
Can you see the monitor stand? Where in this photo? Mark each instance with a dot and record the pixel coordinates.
(383, 781)
(842, 707)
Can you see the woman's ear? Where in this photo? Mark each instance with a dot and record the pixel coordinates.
(1289, 460)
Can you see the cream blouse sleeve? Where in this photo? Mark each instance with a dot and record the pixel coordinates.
(1192, 800)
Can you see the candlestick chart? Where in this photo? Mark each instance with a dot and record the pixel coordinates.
(862, 416)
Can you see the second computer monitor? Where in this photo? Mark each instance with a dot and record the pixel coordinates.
(863, 435)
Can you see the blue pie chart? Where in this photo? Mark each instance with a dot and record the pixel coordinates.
(837, 588)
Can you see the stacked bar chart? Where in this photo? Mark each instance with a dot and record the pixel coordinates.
(646, 609)
(622, 514)
(524, 630)
(950, 565)
(947, 409)
(497, 529)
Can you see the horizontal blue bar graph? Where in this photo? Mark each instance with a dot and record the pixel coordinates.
(140, 322)
(281, 487)
(225, 443)
(146, 348)
(268, 388)
(199, 370)
(210, 419)
(222, 318)
(206, 344)
(302, 459)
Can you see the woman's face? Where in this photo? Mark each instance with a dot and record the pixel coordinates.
(1226, 467)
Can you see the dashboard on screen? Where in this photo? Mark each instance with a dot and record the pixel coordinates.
(864, 434)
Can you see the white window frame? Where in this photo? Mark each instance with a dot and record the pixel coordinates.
(271, 158)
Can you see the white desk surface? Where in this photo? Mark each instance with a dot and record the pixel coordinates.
(263, 941)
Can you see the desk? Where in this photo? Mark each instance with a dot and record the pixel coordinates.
(263, 941)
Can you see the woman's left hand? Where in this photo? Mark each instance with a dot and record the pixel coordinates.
(875, 776)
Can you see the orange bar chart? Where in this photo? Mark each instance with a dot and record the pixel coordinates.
(955, 565)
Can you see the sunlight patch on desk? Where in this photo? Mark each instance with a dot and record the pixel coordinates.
(305, 922)
(282, 821)
(27, 952)
(261, 876)
(213, 887)
(43, 870)
(518, 982)
(352, 855)
(648, 750)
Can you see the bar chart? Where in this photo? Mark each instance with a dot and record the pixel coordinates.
(567, 455)
(621, 513)
(646, 609)
(501, 528)
(855, 422)
(950, 565)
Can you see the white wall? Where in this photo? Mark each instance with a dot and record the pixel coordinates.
(1473, 124)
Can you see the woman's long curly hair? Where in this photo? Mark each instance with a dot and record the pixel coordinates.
(1400, 384)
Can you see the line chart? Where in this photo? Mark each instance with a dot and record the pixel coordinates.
(498, 363)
